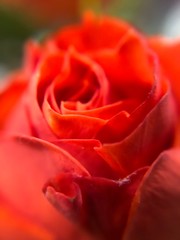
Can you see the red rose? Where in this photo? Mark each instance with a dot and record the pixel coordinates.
(93, 114)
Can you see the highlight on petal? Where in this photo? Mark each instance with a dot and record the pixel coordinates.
(14, 226)
(26, 165)
(100, 205)
(72, 126)
(155, 213)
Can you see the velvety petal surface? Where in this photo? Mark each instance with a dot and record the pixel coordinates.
(26, 165)
(141, 147)
(83, 150)
(100, 205)
(78, 138)
(155, 213)
(14, 226)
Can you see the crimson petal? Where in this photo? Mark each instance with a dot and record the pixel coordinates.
(145, 142)
(98, 204)
(156, 210)
(83, 150)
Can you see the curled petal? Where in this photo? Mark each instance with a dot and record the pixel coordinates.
(49, 67)
(105, 112)
(114, 128)
(141, 146)
(72, 126)
(83, 150)
(98, 204)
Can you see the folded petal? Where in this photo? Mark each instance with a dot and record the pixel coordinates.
(144, 144)
(100, 205)
(84, 151)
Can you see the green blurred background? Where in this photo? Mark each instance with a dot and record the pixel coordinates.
(23, 19)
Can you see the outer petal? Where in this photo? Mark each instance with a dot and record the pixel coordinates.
(144, 144)
(14, 226)
(156, 210)
(26, 165)
(169, 52)
(26, 117)
(10, 94)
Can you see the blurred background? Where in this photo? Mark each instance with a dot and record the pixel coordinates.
(23, 19)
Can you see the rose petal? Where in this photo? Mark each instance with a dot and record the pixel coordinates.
(10, 94)
(144, 144)
(128, 67)
(98, 204)
(105, 112)
(83, 150)
(14, 226)
(72, 126)
(49, 68)
(166, 51)
(156, 211)
(26, 117)
(27, 120)
(26, 165)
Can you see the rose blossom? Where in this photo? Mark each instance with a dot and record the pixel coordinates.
(91, 113)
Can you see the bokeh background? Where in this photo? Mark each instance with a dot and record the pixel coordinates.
(23, 19)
